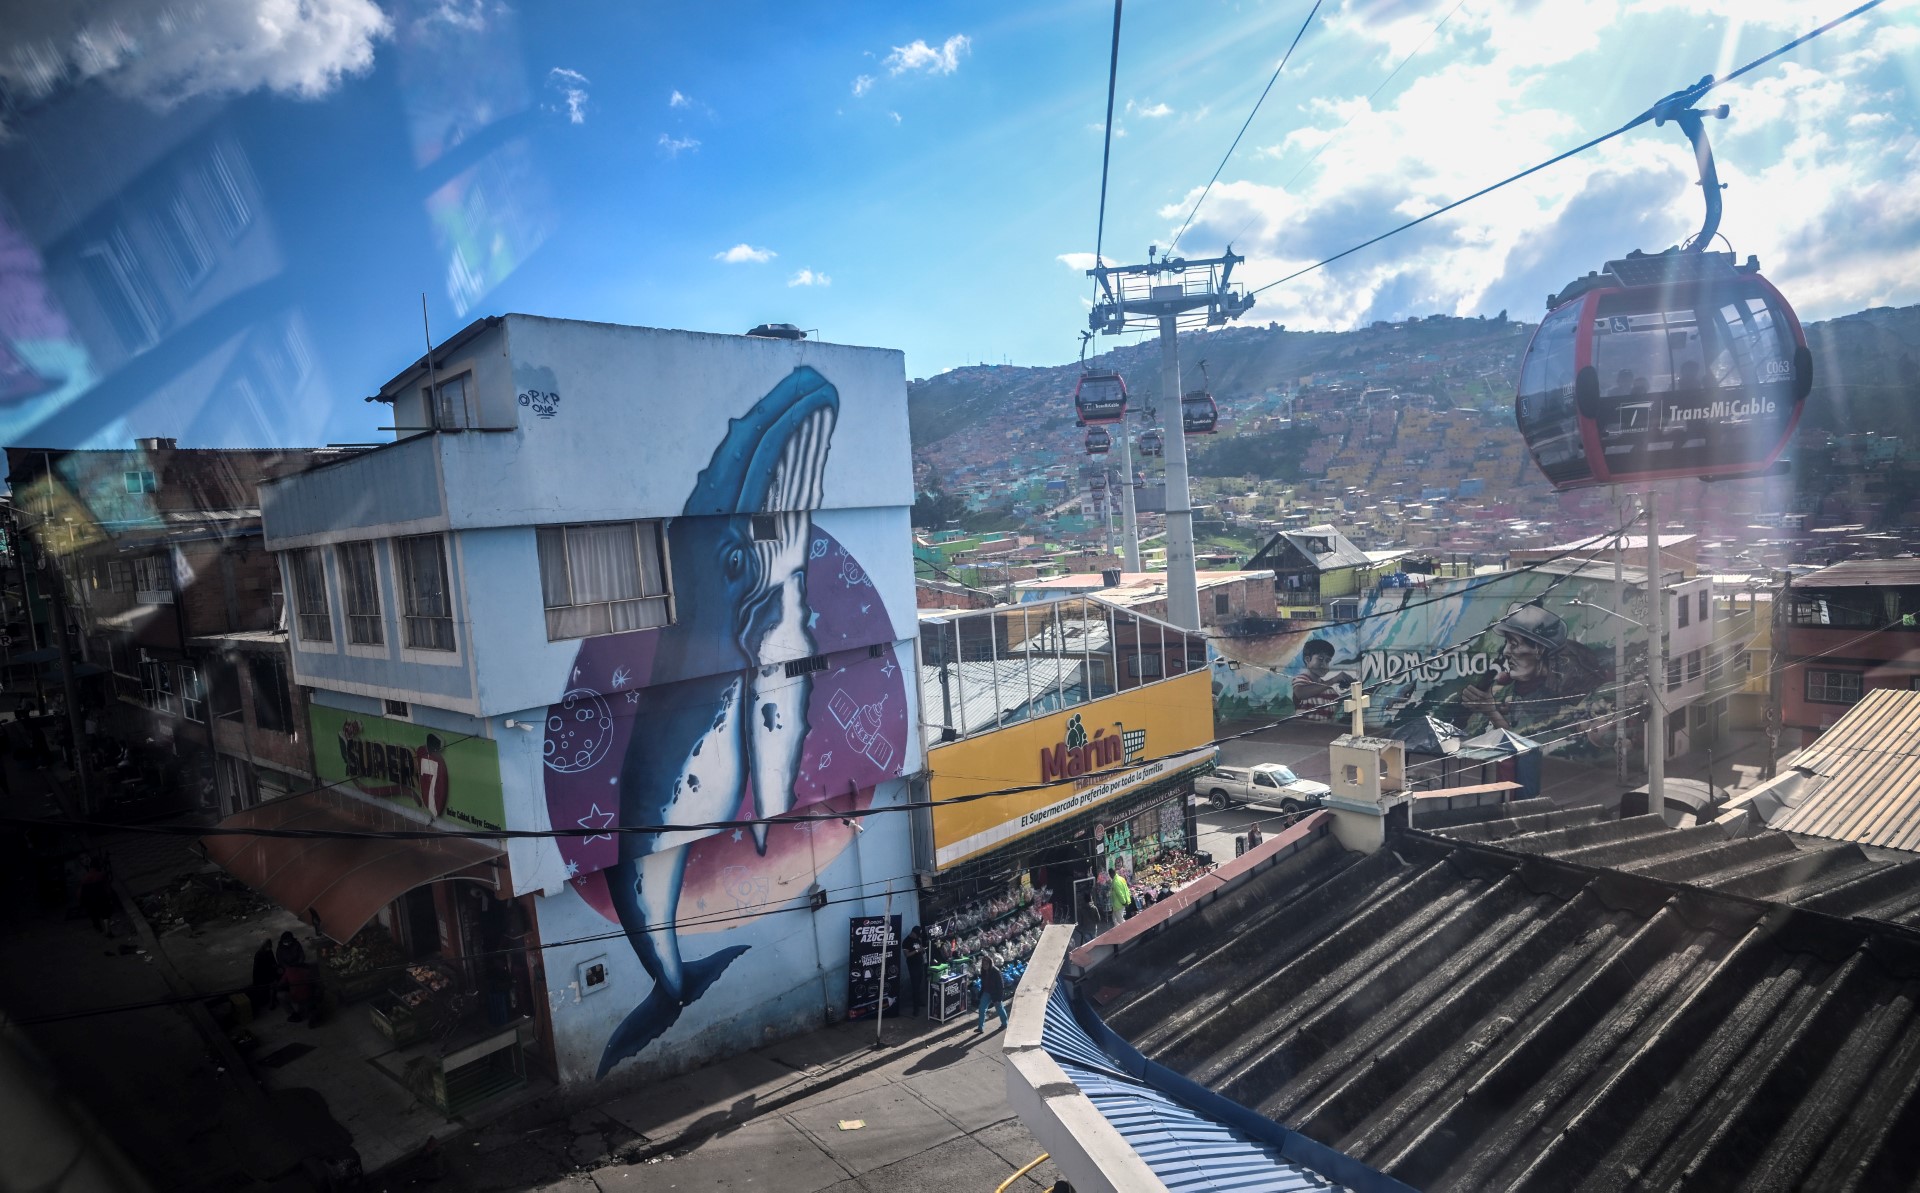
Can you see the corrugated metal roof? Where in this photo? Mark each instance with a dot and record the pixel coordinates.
(1868, 770)
(1185, 1149)
(1579, 1004)
(1863, 572)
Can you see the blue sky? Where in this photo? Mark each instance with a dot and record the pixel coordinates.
(925, 176)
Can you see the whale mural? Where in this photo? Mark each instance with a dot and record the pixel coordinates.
(774, 691)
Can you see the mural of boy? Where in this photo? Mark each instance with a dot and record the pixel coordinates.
(1318, 689)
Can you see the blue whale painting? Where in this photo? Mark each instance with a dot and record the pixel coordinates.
(701, 720)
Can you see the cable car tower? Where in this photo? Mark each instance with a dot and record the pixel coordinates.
(1168, 294)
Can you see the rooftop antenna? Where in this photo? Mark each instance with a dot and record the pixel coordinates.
(433, 377)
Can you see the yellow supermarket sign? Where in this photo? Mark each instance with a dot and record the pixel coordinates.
(1097, 752)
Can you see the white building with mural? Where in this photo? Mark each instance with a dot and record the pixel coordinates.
(606, 579)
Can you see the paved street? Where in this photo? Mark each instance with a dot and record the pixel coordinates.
(931, 1110)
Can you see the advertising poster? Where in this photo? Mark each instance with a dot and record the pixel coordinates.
(449, 776)
(1071, 761)
(867, 935)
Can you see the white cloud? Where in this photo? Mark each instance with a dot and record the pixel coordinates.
(166, 53)
(862, 85)
(807, 277)
(1079, 262)
(572, 86)
(1805, 176)
(744, 252)
(1119, 130)
(677, 100)
(918, 55)
(675, 146)
(1151, 112)
(896, 116)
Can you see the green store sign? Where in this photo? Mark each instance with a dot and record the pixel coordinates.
(449, 775)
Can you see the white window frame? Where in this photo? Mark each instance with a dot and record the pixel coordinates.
(365, 627)
(193, 694)
(664, 597)
(419, 630)
(442, 417)
(1832, 685)
(312, 612)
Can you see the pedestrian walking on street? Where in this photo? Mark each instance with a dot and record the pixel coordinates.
(1122, 898)
(264, 991)
(1254, 836)
(96, 895)
(914, 949)
(296, 977)
(992, 990)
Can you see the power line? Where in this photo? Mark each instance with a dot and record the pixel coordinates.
(1391, 75)
(1106, 150)
(1243, 129)
(428, 834)
(1687, 95)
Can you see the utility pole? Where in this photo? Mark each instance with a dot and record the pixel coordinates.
(1656, 665)
(1161, 294)
(1781, 618)
(1129, 521)
(1620, 639)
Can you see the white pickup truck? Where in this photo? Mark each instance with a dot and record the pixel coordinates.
(1263, 783)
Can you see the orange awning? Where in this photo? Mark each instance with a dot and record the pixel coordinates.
(337, 884)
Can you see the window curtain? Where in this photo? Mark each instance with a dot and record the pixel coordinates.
(363, 593)
(602, 563)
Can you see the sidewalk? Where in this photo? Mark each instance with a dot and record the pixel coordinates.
(932, 1106)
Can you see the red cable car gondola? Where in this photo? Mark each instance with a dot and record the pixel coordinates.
(1098, 441)
(1099, 397)
(1666, 365)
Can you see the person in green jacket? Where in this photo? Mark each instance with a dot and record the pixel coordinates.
(1122, 898)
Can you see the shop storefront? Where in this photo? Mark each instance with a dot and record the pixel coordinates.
(419, 937)
(1093, 723)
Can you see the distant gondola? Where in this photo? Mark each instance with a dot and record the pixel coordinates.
(1099, 442)
(1663, 365)
(1199, 414)
(1151, 444)
(1099, 397)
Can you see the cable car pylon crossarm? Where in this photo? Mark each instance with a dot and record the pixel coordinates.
(1165, 294)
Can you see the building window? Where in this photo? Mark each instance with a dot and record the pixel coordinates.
(153, 579)
(310, 596)
(360, 586)
(1706, 610)
(228, 195)
(180, 230)
(1673, 674)
(1693, 664)
(141, 481)
(397, 708)
(1344, 610)
(449, 404)
(428, 604)
(119, 282)
(1144, 666)
(120, 575)
(603, 578)
(223, 688)
(1683, 605)
(1222, 603)
(163, 698)
(1833, 687)
(272, 698)
(193, 694)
